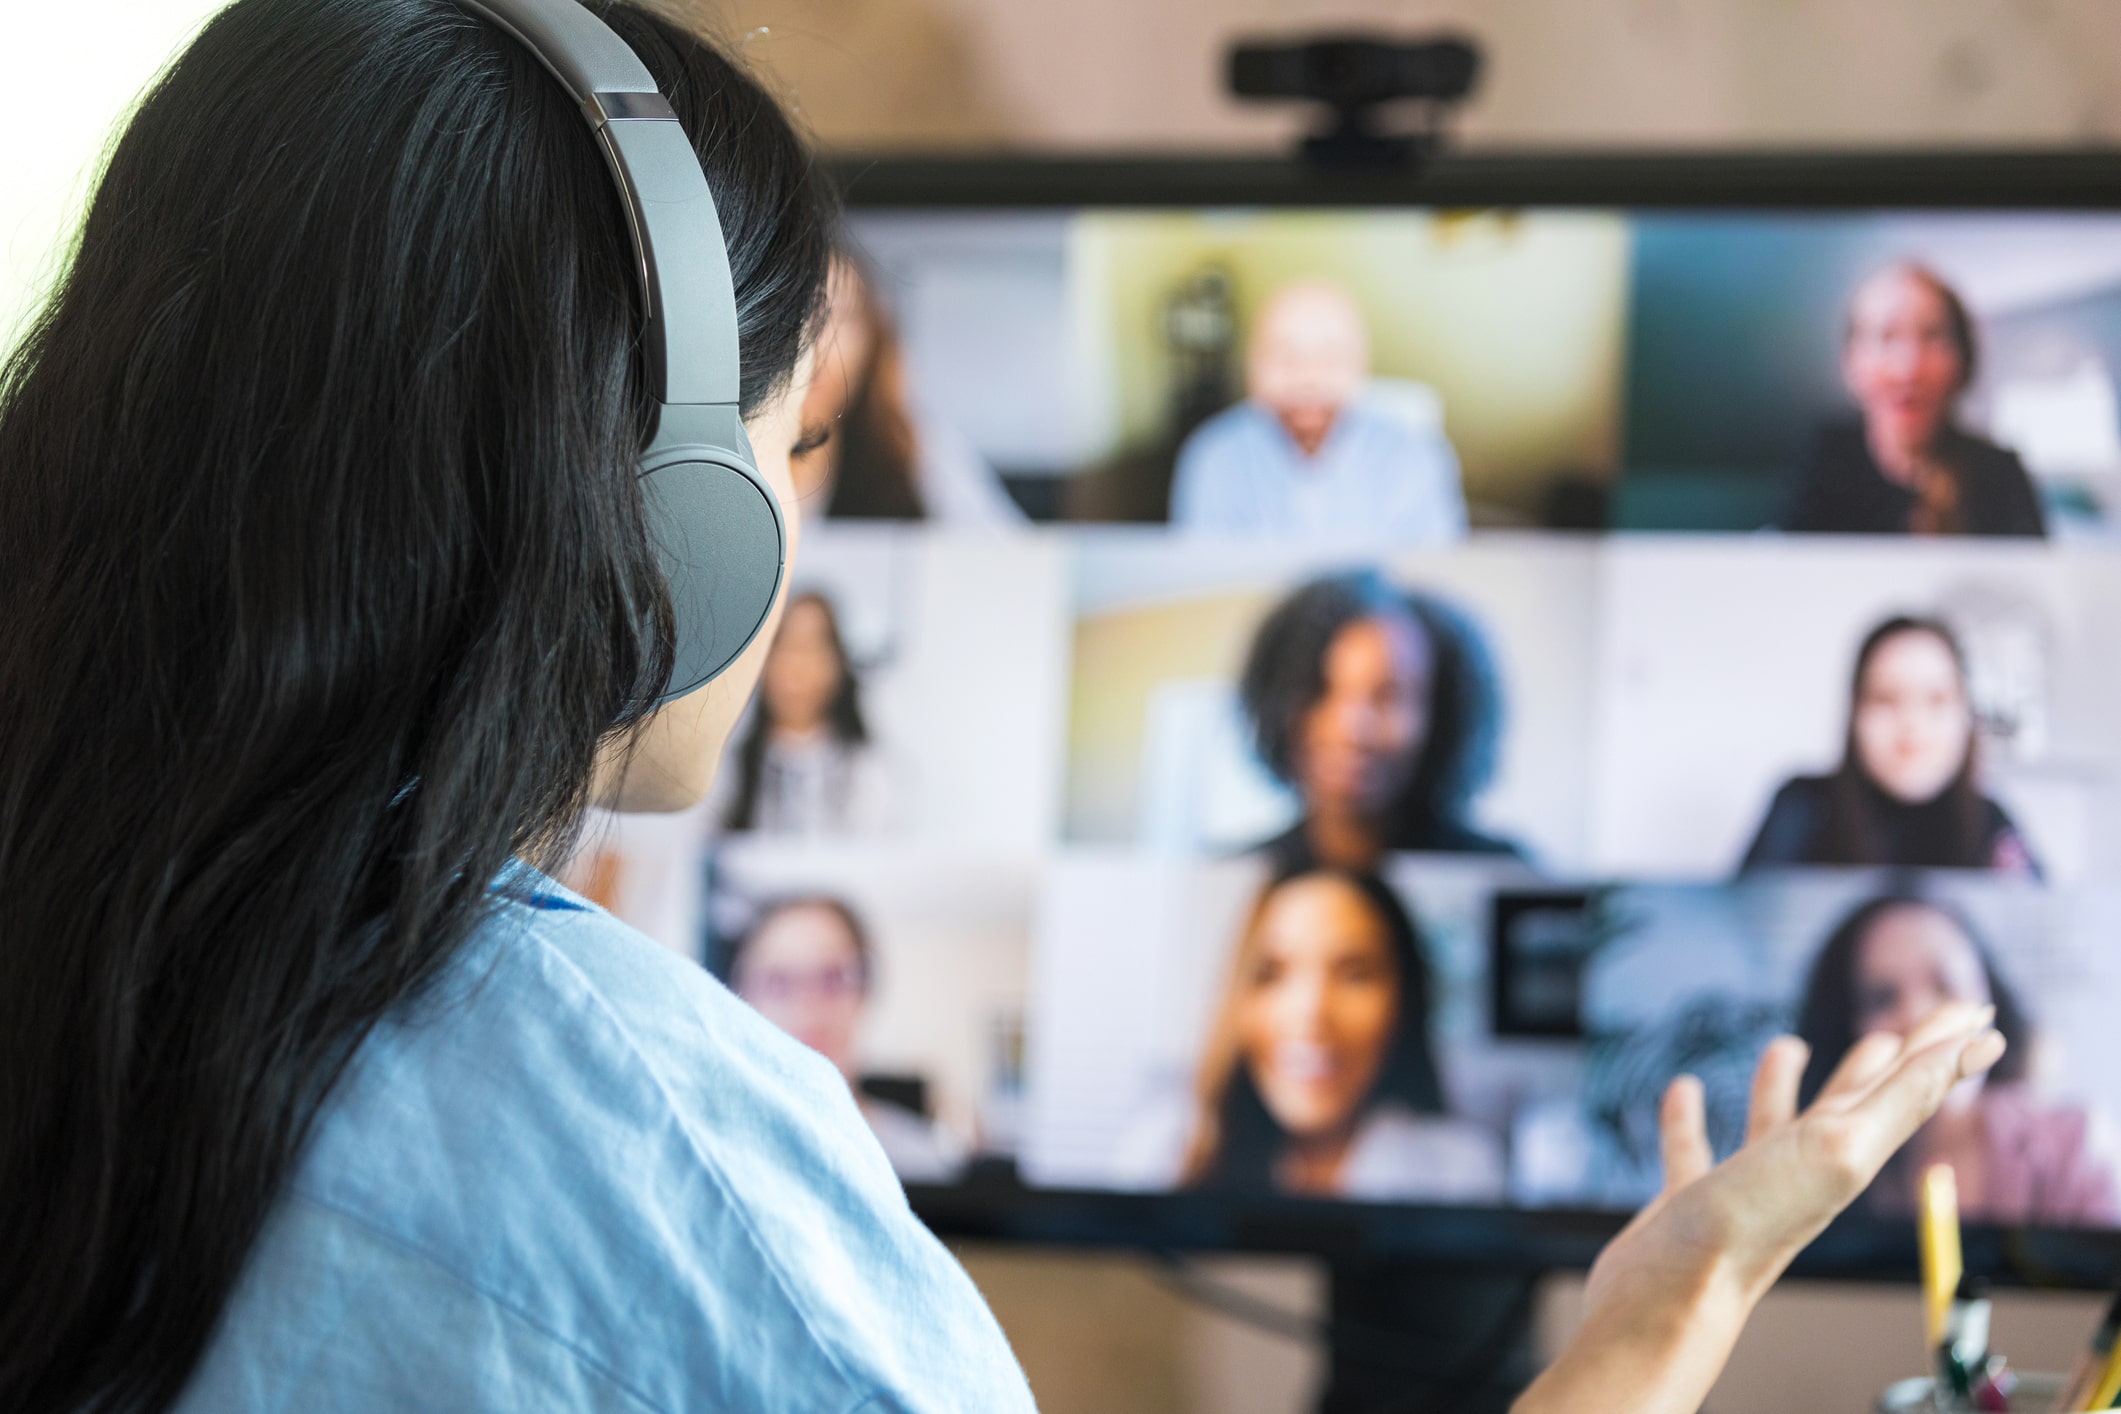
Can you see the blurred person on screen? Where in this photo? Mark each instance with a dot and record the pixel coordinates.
(1382, 710)
(1907, 792)
(1319, 1077)
(806, 965)
(1905, 466)
(888, 457)
(806, 764)
(2019, 1157)
(1318, 446)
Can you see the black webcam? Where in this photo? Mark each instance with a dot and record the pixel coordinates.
(1356, 75)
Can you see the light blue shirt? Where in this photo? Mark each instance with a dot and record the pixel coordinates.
(1385, 470)
(580, 1175)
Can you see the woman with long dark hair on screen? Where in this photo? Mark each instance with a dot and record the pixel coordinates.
(2019, 1157)
(1381, 708)
(806, 765)
(890, 457)
(1319, 1076)
(1908, 790)
(1904, 465)
(327, 603)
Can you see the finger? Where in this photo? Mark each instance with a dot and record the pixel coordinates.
(1955, 1019)
(1956, 1022)
(1775, 1084)
(1683, 1133)
(1904, 1100)
(1866, 1062)
(1981, 1054)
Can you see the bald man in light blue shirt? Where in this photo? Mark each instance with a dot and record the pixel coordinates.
(1319, 447)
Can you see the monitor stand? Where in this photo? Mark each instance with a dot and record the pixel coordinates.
(1416, 1337)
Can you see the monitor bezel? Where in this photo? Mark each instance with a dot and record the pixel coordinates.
(1855, 1248)
(1981, 180)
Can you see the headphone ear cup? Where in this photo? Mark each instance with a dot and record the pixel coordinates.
(718, 535)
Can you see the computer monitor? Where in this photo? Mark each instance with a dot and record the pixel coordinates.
(1312, 697)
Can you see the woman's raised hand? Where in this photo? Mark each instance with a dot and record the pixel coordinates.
(1667, 1298)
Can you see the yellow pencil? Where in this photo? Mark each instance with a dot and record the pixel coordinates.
(2109, 1386)
(1942, 1261)
(2084, 1379)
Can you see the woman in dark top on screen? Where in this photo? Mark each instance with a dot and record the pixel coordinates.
(1905, 467)
(1381, 709)
(1907, 791)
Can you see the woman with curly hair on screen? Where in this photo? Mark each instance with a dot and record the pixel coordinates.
(1382, 709)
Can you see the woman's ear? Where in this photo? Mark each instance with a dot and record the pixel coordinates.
(670, 763)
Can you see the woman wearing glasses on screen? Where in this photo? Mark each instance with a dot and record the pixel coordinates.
(1907, 792)
(806, 965)
(806, 764)
(1382, 710)
(2018, 1157)
(1906, 466)
(1319, 1077)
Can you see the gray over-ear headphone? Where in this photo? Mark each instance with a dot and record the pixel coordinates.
(717, 527)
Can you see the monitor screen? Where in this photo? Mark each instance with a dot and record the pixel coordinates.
(1335, 708)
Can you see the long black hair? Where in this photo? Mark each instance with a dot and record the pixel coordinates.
(1284, 676)
(843, 715)
(324, 583)
(1238, 1139)
(877, 448)
(1854, 833)
(1826, 1018)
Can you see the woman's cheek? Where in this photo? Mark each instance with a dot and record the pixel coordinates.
(1368, 1012)
(1255, 1025)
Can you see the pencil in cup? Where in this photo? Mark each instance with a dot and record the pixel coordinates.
(2084, 1380)
(1937, 1228)
(2108, 1389)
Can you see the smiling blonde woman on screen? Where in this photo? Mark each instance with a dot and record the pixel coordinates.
(1905, 465)
(327, 604)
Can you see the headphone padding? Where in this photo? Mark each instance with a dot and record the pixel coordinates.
(722, 546)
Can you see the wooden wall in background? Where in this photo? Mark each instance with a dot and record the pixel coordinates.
(1105, 73)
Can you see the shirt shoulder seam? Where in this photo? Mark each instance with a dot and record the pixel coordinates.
(739, 1211)
(378, 1233)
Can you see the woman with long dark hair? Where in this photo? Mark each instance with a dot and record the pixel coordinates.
(1319, 1076)
(1908, 790)
(2020, 1157)
(330, 603)
(1382, 709)
(805, 765)
(327, 604)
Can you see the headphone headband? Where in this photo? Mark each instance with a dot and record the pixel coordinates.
(679, 256)
(717, 527)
